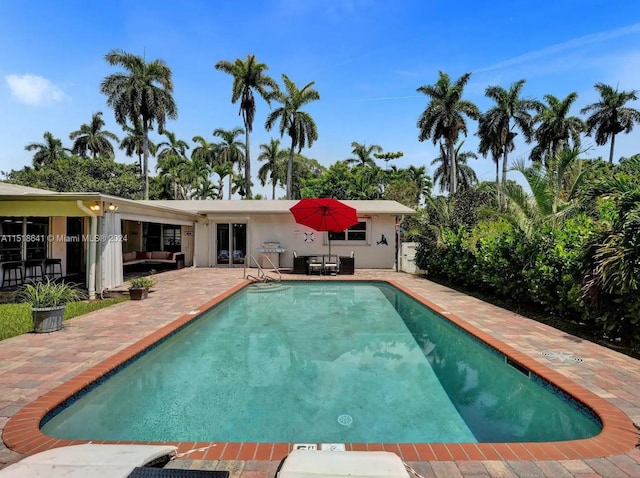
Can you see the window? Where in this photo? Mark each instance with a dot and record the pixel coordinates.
(37, 231)
(357, 232)
(152, 235)
(161, 237)
(10, 243)
(171, 239)
(23, 238)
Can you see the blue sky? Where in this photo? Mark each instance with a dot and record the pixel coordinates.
(366, 57)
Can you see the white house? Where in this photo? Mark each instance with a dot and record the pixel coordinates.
(89, 232)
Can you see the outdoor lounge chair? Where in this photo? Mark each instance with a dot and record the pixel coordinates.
(330, 264)
(315, 265)
(354, 464)
(89, 461)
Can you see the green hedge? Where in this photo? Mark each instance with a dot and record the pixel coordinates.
(549, 268)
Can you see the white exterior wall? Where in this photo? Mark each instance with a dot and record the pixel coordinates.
(291, 236)
(201, 245)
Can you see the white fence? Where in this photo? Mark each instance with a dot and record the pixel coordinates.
(406, 261)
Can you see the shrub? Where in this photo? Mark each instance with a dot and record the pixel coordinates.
(50, 294)
(141, 282)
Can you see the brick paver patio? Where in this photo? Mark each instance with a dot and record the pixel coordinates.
(32, 365)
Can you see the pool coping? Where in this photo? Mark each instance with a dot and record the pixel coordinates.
(619, 435)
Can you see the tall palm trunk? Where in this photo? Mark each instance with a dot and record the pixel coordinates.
(505, 161)
(230, 184)
(290, 172)
(273, 189)
(452, 164)
(497, 161)
(613, 142)
(145, 152)
(247, 162)
(220, 188)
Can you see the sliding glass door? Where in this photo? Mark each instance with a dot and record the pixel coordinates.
(231, 244)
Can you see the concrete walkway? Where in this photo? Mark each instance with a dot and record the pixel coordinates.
(32, 365)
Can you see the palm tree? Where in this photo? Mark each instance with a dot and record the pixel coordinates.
(510, 112)
(491, 142)
(48, 152)
(299, 125)
(418, 175)
(248, 76)
(609, 115)
(91, 137)
(173, 163)
(223, 170)
(465, 173)
(554, 188)
(615, 251)
(172, 147)
(556, 129)
(274, 166)
(238, 185)
(444, 116)
(205, 150)
(194, 177)
(133, 143)
(230, 150)
(363, 154)
(206, 190)
(141, 95)
(172, 168)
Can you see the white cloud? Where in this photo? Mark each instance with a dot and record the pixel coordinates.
(33, 90)
(572, 44)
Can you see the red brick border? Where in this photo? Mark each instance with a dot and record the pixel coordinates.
(22, 432)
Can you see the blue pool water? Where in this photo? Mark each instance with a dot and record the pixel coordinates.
(321, 362)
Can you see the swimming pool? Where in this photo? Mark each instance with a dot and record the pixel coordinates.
(321, 362)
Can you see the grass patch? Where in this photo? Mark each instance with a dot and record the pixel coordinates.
(15, 319)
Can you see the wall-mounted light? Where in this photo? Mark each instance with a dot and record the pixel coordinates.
(95, 207)
(112, 207)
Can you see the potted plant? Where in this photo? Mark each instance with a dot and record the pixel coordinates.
(139, 287)
(48, 300)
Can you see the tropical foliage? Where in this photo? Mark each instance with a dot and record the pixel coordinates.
(47, 153)
(444, 118)
(570, 246)
(92, 138)
(143, 95)
(248, 77)
(297, 124)
(610, 116)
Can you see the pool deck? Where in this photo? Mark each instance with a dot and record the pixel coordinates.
(33, 365)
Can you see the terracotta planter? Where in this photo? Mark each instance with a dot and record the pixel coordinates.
(47, 319)
(138, 294)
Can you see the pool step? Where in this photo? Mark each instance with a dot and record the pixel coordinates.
(267, 287)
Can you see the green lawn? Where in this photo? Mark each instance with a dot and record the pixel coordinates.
(15, 319)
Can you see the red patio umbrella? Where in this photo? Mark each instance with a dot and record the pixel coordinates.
(324, 214)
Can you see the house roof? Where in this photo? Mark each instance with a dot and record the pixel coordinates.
(274, 206)
(192, 208)
(15, 189)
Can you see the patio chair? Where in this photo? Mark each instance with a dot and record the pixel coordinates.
(361, 464)
(330, 264)
(315, 265)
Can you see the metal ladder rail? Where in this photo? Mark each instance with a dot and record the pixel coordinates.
(275, 268)
(262, 275)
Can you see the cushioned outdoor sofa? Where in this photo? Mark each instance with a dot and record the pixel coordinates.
(153, 257)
